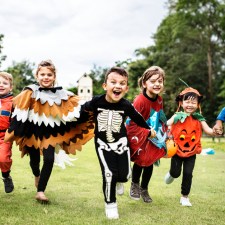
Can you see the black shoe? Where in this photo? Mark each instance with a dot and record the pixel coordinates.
(145, 195)
(8, 184)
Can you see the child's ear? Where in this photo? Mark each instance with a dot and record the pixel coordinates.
(104, 86)
(127, 89)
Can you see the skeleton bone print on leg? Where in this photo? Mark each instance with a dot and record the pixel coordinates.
(109, 121)
(119, 147)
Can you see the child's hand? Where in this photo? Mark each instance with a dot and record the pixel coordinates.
(218, 130)
(153, 133)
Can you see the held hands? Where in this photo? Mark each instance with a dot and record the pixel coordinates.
(153, 133)
(218, 128)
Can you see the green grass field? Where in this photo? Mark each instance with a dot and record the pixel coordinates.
(76, 194)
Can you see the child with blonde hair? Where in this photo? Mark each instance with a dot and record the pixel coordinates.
(6, 96)
(46, 118)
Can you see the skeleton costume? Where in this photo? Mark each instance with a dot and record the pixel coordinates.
(45, 119)
(111, 140)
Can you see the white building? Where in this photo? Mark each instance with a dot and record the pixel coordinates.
(85, 87)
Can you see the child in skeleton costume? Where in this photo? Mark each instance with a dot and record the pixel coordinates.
(6, 98)
(145, 152)
(46, 118)
(186, 127)
(110, 112)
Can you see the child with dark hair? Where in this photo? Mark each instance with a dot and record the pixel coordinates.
(110, 112)
(186, 127)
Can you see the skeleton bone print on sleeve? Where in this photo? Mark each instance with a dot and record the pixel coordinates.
(109, 121)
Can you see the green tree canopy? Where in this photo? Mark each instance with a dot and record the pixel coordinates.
(22, 73)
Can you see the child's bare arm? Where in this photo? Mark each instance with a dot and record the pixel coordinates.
(170, 121)
(208, 130)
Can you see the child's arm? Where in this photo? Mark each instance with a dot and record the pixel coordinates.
(170, 121)
(218, 127)
(136, 117)
(208, 130)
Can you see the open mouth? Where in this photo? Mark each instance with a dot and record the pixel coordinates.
(117, 93)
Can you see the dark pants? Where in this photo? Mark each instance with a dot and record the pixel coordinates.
(48, 161)
(115, 168)
(188, 167)
(146, 175)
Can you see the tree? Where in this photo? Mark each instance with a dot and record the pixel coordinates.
(22, 75)
(189, 44)
(2, 57)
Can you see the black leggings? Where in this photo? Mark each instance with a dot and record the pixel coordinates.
(146, 175)
(48, 162)
(188, 167)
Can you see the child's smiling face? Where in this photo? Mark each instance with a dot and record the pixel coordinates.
(190, 105)
(45, 77)
(116, 87)
(5, 86)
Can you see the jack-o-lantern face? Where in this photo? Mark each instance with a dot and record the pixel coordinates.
(187, 136)
(187, 141)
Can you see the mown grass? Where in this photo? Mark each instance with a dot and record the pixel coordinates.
(76, 195)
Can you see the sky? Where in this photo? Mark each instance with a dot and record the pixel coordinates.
(77, 34)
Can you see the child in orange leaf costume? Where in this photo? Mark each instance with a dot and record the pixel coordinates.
(46, 118)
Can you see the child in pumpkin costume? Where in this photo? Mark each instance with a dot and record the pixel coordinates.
(186, 127)
(46, 118)
(6, 82)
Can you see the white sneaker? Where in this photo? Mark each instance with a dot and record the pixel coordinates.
(119, 188)
(185, 201)
(168, 178)
(111, 211)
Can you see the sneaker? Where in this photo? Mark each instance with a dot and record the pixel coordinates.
(135, 191)
(119, 188)
(185, 201)
(8, 184)
(145, 195)
(111, 211)
(168, 178)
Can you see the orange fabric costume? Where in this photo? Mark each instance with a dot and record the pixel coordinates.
(187, 135)
(5, 147)
(49, 116)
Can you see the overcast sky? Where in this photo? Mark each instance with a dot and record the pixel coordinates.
(76, 34)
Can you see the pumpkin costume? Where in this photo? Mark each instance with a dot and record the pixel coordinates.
(186, 129)
(187, 132)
